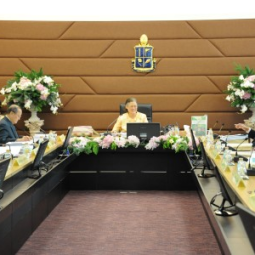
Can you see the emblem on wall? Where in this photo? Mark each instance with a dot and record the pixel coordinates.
(144, 61)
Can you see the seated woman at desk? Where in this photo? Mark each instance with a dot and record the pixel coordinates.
(132, 115)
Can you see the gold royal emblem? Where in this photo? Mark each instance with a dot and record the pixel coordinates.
(144, 61)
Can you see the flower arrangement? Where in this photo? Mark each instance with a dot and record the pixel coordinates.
(32, 91)
(91, 145)
(241, 89)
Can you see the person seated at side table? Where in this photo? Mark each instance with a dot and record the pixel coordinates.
(8, 131)
(248, 130)
(132, 115)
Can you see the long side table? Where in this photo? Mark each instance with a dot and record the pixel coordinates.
(27, 202)
(132, 169)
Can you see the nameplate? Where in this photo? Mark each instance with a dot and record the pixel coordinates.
(225, 166)
(34, 151)
(215, 154)
(61, 138)
(238, 181)
(21, 160)
(50, 144)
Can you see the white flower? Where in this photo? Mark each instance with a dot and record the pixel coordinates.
(247, 84)
(239, 93)
(48, 80)
(2, 91)
(244, 108)
(228, 98)
(241, 77)
(230, 87)
(28, 104)
(132, 139)
(54, 109)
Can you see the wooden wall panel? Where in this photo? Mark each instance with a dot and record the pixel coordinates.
(92, 61)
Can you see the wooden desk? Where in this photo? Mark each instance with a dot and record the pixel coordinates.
(242, 193)
(27, 202)
(132, 169)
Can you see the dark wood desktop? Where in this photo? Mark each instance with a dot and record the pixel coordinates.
(132, 169)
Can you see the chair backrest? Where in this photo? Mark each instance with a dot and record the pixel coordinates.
(143, 108)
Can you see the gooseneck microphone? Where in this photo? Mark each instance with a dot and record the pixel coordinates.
(107, 130)
(215, 124)
(226, 142)
(236, 158)
(216, 136)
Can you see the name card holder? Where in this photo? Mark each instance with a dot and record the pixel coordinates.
(215, 154)
(34, 151)
(61, 138)
(50, 145)
(225, 166)
(21, 160)
(238, 181)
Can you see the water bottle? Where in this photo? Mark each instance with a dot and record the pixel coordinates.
(241, 168)
(209, 138)
(227, 155)
(218, 147)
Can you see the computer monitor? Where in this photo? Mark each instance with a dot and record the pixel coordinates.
(4, 164)
(144, 131)
(38, 160)
(248, 219)
(223, 210)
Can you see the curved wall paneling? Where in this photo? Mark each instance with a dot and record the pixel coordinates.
(92, 61)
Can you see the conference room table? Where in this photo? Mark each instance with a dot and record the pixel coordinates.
(244, 190)
(27, 202)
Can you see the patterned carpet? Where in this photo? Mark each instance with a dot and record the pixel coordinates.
(115, 223)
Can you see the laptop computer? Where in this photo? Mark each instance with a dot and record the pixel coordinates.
(144, 131)
(4, 164)
(248, 219)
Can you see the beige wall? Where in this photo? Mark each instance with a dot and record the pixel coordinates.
(92, 61)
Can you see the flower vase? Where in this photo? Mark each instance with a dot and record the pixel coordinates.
(34, 117)
(34, 123)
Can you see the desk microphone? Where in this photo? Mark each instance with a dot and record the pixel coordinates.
(215, 124)
(236, 158)
(215, 136)
(226, 142)
(107, 130)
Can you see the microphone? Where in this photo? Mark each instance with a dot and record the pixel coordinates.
(107, 130)
(215, 124)
(218, 135)
(236, 158)
(226, 142)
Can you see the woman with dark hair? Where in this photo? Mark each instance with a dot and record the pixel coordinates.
(131, 115)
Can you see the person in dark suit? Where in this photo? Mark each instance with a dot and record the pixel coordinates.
(8, 131)
(248, 130)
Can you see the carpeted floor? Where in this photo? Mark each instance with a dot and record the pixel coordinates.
(115, 223)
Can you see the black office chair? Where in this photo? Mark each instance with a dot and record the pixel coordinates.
(143, 108)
